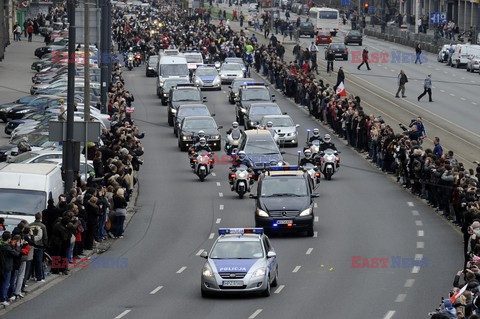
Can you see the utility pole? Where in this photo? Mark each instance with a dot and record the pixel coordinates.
(104, 53)
(68, 147)
(86, 90)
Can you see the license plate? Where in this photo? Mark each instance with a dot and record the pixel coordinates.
(232, 283)
(284, 222)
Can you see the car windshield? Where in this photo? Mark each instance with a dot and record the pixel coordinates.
(37, 102)
(278, 121)
(237, 250)
(328, 15)
(169, 83)
(264, 110)
(272, 187)
(194, 58)
(232, 67)
(25, 157)
(199, 124)
(262, 147)
(153, 60)
(22, 201)
(338, 46)
(192, 111)
(234, 60)
(306, 25)
(26, 99)
(256, 94)
(355, 33)
(32, 139)
(206, 71)
(186, 95)
(174, 69)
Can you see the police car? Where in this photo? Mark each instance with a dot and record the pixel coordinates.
(242, 260)
(207, 77)
(284, 200)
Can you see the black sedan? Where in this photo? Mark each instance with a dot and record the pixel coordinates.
(353, 36)
(190, 127)
(307, 28)
(339, 50)
(257, 111)
(235, 86)
(151, 66)
(189, 110)
(6, 108)
(19, 112)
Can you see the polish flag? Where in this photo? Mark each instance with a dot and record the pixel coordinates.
(458, 294)
(341, 89)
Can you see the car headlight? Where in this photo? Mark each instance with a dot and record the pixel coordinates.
(186, 138)
(23, 111)
(261, 213)
(150, 68)
(216, 81)
(174, 111)
(260, 272)
(215, 137)
(243, 110)
(207, 271)
(306, 212)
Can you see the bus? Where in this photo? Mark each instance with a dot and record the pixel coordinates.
(325, 19)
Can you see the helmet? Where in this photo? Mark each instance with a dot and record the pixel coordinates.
(316, 132)
(307, 153)
(327, 138)
(23, 147)
(242, 155)
(201, 134)
(269, 124)
(235, 124)
(203, 141)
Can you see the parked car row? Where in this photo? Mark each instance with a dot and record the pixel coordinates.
(461, 55)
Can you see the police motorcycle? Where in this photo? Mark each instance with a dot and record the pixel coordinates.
(202, 164)
(241, 179)
(309, 164)
(269, 127)
(313, 143)
(233, 137)
(130, 60)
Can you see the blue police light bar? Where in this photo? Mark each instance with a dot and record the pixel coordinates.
(226, 231)
(206, 65)
(255, 83)
(283, 168)
(185, 85)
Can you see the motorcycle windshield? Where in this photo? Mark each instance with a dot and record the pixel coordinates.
(236, 134)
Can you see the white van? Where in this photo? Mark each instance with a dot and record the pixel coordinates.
(462, 54)
(172, 66)
(26, 188)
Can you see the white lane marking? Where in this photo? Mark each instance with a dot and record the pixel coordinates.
(443, 91)
(400, 298)
(316, 219)
(454, 74)
(392, 70)
(213, 174)
(451, 94)
(154, 291)
(462, 98)
(315, 205)
(309, 251)
(389, 314)
(221, 207)
(181, 269)
(415, 270)
(415, 80)
(415, 213)
(437, 69)
(123, 314)
(218, 221)
(220, 194)
(315, 234)
(279, 289)
(433, 87)
(199, 252)
(218, 183)
(410, 204)
(409, 283)
(472, 81)
(420, 233)
(211, 236)
(253, 315)
(418, 223)
(474, 103)
(296, 269)
(420, 244)
(418, 256)
(463, 78)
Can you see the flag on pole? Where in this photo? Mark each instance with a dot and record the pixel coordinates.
(341, 89)
(458, 294)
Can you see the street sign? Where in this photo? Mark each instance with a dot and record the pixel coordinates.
(58, 131)
(345, 3)
(438, 17)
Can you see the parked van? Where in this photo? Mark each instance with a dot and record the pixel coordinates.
(26, 188)
(462, 54)
(172, 65)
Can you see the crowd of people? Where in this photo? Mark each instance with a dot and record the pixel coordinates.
(93, 210)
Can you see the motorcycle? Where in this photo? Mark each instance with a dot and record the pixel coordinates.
(314, 146)
(202, 164)
(137, 60)
(313, 172)
(232, 143)
(130, 63)
(241, 179)
(329, 162)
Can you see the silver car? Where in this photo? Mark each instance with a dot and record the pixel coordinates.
(284, 127)
(473, 64)
(207, 77)
(242, 260)
(231, 71)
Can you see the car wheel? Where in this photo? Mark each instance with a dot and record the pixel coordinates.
(360, 43)
(275, 281)
(310, 232)
(266, 292)
(170, 119)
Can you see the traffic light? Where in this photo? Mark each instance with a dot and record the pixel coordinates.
(365, 8)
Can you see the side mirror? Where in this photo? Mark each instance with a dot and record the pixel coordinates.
(297, 125)
(204, 99)
(220, 127)
(212, 115)
(284, 113)
(230, 87)
(271, 254)
(315, 195)
(204, 254)
(253, 196)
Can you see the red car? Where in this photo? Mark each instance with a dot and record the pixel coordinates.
(323, 38)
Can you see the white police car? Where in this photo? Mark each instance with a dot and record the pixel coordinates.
(207, 77)
(242, 260)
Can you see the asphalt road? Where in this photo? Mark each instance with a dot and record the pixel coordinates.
(361, 212)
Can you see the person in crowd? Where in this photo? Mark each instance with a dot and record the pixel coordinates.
(9, 250)
(364, 59)
(41, 244)
(402, 80)
(120, 206)
(418, 52)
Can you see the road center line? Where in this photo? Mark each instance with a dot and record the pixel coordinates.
(451, 94)
(279, 289)
(409, 283)
(181, 269)
(315, 205)
(415, 270)
(296, 269)
(316, 219)
(389, 314)
(443, 91)
(415, 212)
(253, 315)
(154, 291)
(309, 251)
(199, 252)
(211, 236)
(315, 234)
(213, 174)
(418, 223)
(410, 204)
(462, 98)
(218, 221)
(220, 194)
(418, 256)
(420, 244)
(123, 314)
(420, 233)
(218, 184)
(221, 207)
(400, 298)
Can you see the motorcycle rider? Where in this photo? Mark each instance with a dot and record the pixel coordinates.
(308, 158)
(200, 146)
(269, 127)
(327, 143)
(234, 133)
(241, 160)
(315, 136)
(130, 56)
